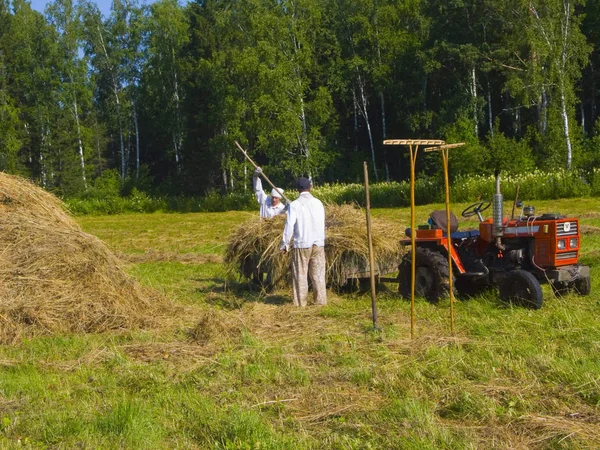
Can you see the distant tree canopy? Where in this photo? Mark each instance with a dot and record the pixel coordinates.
(158, 94)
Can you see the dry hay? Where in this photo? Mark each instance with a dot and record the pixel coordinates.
(582, 429)
(216, 325)
(55, 278)
(254, 246)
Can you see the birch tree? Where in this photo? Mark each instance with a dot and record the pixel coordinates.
(163, 79)
(551, 51)
(74, 90)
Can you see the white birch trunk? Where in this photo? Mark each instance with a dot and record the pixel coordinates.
(224, 171)
(80, 144)
(563, 102)
(474, 94)
(118, 104)
(177, 134)
(593, 112)
(489, 104)
(43, 181)
(565, 120)
(122, 144)
(137, 142)
(303, 139)
(363, 106)
(544, 111)
(384, 131)
(355, 109)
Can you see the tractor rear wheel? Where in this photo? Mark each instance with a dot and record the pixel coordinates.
(521, 288)
(432, 275)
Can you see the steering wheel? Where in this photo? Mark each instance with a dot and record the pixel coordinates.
(476, 208)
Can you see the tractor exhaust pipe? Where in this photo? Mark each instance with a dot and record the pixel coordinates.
(498, 213)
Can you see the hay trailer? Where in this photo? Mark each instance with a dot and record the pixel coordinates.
(253, 249)
(348, 275)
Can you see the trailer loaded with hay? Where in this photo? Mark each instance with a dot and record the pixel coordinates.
(253, 249)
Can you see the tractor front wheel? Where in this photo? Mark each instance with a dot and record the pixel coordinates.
(522, 288)
(431, 275)
(582, 286)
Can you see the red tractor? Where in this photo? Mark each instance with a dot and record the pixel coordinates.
(516, 255)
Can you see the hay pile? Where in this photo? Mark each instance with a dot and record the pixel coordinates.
(54, 278)
(253, 248)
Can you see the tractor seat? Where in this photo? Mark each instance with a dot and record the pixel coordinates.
(437, 219)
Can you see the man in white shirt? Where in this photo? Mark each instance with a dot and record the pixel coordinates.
(306, 223)
(269, 206)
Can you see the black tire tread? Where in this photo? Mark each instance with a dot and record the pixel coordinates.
(436, 262)
(519, 279)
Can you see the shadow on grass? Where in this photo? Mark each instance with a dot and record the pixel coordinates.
(233, 294)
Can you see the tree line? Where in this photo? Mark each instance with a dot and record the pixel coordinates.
(157, 95)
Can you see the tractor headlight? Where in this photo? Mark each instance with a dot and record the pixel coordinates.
(562, 244)
(573, 243)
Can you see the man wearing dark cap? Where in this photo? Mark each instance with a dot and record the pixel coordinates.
(306, 223)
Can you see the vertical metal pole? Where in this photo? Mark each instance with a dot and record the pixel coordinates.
(413, 233)
(447, 185)
(370, 241)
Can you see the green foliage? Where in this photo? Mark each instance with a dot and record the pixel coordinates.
(533, 185)
(507, 154)
(108, 185)
(161, 93)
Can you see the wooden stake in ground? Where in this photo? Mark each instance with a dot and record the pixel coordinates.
(262, 173)
(370, 241)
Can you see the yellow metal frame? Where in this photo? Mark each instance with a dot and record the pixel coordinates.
(444, 152)
(413, 147)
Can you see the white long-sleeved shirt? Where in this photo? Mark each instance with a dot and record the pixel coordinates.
(305, 222)
(267, 209)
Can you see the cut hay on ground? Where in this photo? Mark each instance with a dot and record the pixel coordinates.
(254, 246)
(55, 278)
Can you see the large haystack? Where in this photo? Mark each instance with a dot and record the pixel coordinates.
(254, 247)
(55, 278)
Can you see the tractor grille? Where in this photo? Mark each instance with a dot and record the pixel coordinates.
(567, 255)
(566, 229)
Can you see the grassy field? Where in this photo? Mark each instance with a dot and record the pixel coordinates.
(240, 369)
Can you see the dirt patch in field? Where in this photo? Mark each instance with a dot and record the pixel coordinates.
(589, 229)
(54, 278)
(590, 215)
(159, 256)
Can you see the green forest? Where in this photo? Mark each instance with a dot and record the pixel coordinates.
(155, 96)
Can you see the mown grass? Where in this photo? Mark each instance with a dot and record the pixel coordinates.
(242, 369)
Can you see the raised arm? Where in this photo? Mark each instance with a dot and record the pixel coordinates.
(261, 197)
